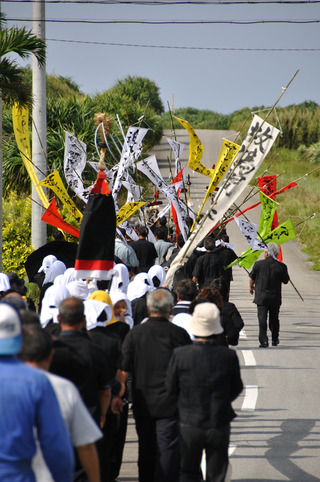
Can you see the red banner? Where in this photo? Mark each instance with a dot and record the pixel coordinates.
(52, 217)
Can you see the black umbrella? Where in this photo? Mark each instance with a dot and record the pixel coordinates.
(63, 250)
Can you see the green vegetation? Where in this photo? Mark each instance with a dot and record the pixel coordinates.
(301, 201)
(24, 43)
(16, 235)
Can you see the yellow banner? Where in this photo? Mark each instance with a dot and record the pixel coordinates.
(227, 154)
(195, 151)
(54, 182)
(127, 210)
(20, 120)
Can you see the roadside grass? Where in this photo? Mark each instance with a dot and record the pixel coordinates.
(301, 201)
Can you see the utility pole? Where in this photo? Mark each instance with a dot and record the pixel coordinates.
(39, 127)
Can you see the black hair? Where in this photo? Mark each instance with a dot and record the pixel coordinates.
(186, 289)
(71, 311)
(37, 344)
(160, 234)
(58, 236)
(209, 244)
(142, 231)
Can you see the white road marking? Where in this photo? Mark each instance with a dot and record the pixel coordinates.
(249, 358)
(250, 398)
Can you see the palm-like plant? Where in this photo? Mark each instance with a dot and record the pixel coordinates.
(24, 43)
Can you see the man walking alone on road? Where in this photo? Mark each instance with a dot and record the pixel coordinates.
(265, 282)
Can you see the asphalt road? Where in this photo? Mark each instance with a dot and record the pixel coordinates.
(276, 436)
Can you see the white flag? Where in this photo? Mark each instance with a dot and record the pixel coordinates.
(150, 169)
(248, 229)
(177, 148)
(75, 157)
(258, 142)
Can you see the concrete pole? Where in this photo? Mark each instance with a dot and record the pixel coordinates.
(1, 182)
(1, 190)
(39, 128)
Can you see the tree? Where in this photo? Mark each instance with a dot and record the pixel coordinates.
(24, 43)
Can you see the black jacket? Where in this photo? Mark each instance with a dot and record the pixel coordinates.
(268, 274)
(146, 352)
(206, 379)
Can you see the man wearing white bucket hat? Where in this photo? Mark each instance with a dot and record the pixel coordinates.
(206, 378)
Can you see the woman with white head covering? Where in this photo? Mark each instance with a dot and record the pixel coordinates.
(69, 275)
(122, 307)
(137, 294)
(139, 286)
(157, 275)
(47, 262)
(97, 313)
(50, 306)
(120, 279)
(59, 280)
(79, 289)
(55, 269)
(114, 325)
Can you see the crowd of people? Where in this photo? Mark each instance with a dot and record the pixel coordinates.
(73, 364)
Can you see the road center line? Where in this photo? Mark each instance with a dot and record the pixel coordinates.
(250, 398)
(249, 358)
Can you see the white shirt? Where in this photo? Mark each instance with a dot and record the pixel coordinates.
(80, 425)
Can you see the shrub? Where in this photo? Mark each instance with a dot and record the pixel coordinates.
(16, 233)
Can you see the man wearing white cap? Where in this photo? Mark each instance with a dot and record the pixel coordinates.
(206, 378)
(27, 398)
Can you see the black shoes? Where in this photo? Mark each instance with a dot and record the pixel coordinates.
(275, 342)
(264, 345)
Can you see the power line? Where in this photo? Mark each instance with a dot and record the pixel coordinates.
(169, 22)
(168, 2)
(114, 44)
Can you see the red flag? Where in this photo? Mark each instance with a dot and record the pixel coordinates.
(52, 217)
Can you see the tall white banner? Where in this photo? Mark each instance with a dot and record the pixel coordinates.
(131, 150)
(258, 142)
(75, 157)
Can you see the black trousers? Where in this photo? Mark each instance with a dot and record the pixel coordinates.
(273, 312)
(215, 442)
(158, 449)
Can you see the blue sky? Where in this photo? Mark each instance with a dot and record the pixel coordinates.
(222, 81)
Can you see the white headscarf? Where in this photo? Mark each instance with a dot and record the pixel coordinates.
(69, 275)
(47, 262)
(120, 279)
(59, 280)
(117, 296)
(92, 311)
(4, 282)
(139, 286)
(53, 296)
(159, 272)
(79, 289)
(56, 268)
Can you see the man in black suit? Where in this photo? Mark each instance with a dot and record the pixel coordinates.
(265, 282)
(206, 378)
